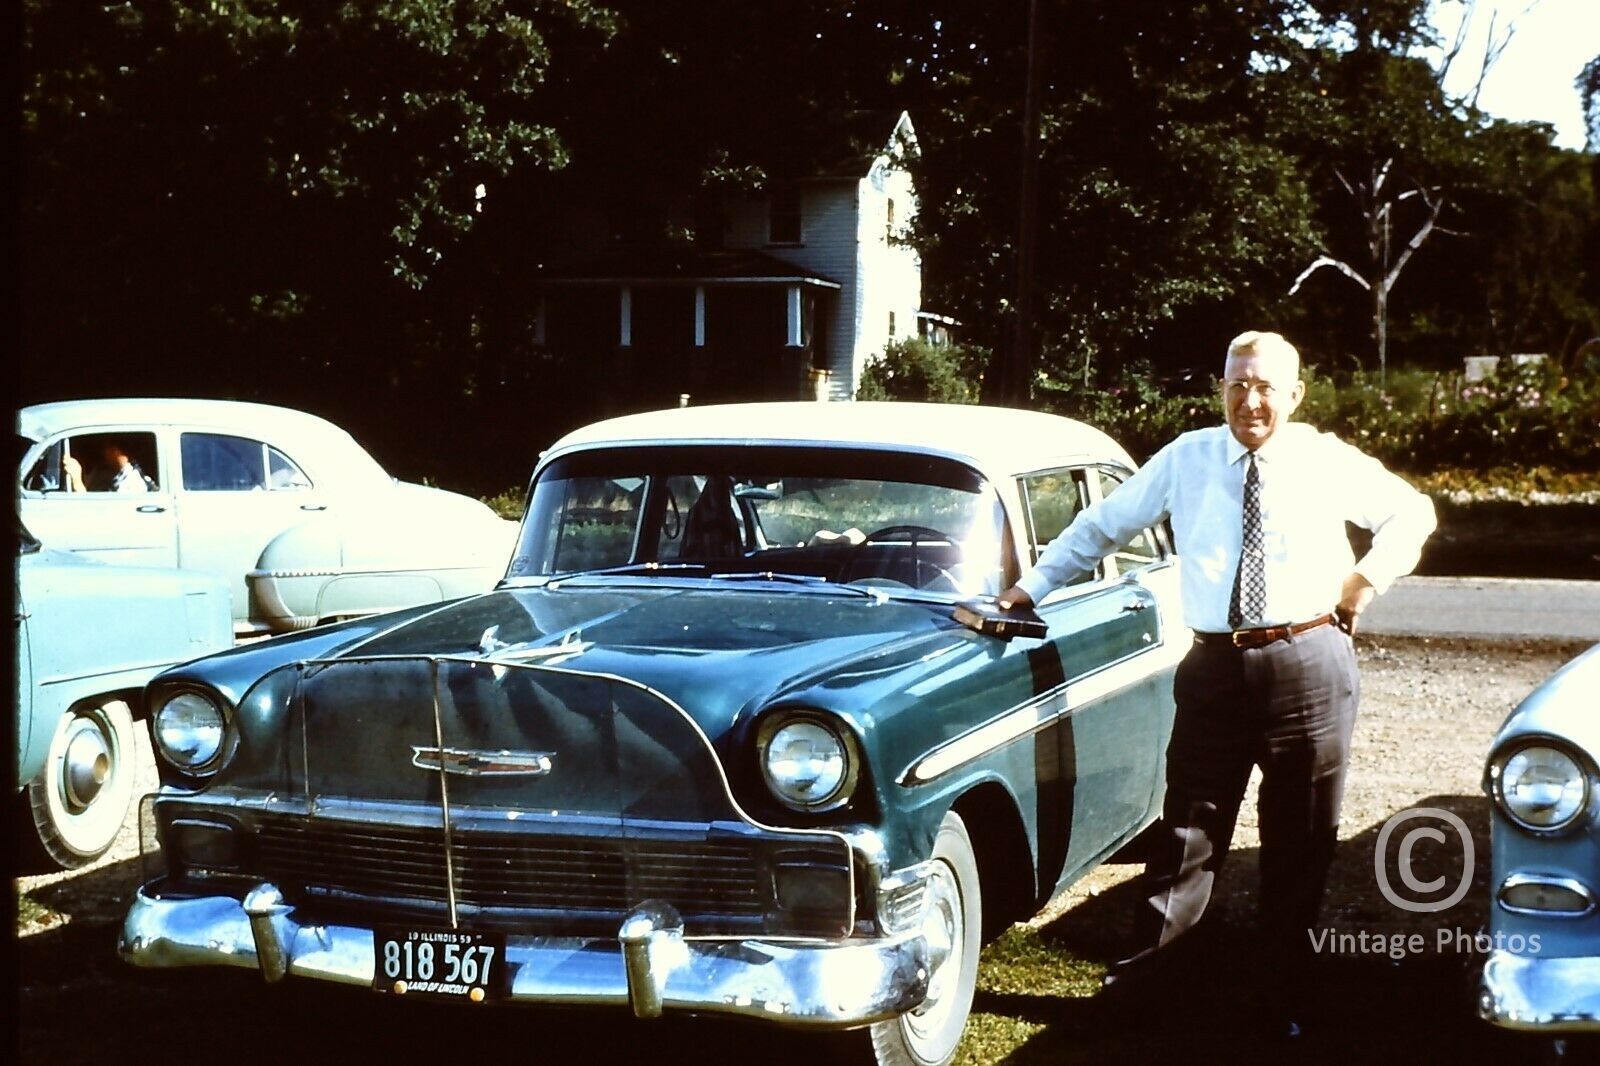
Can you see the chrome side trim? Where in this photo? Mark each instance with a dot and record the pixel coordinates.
(649, 966)
(1540, 993)
(1037, 713)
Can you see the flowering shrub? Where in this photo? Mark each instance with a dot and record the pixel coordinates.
(1522, 417)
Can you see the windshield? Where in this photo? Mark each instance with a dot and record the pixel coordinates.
(850, 516)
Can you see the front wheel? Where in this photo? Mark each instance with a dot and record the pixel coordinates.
(81, 798)
(929, 1035)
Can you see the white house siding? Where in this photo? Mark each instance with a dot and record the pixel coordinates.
(890, 271)
(843, 237)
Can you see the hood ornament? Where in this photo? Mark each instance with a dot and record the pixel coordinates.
(469, 763)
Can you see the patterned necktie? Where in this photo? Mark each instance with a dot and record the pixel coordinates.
(1249, 598)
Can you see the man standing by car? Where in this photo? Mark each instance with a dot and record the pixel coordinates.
(1272, 591)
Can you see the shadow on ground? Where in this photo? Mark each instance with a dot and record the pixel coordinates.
(1379, 1000)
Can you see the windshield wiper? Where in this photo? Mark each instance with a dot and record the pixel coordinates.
(630, 568)
(808, 580)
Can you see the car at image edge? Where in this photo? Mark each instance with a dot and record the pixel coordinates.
(1542, 972)
(88, 637)
(715, 745)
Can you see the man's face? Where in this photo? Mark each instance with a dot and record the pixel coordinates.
(1259, 391)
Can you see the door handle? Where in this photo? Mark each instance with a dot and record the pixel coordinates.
(313, 507)
(1135, 605)
(151, 508)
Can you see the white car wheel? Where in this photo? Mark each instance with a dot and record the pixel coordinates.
(81, 797)
(929, 1035)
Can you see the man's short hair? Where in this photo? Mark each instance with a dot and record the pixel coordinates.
(1253, 342)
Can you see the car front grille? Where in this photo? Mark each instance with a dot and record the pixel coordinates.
(713, 881)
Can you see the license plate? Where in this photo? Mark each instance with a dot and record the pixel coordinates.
(435, 962)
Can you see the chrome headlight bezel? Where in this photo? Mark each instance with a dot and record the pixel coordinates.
(782, 736)
(1508, 767)
(203, 719)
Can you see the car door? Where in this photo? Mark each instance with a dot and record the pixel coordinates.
(135, 524)
(237, 493)
(1105, 662)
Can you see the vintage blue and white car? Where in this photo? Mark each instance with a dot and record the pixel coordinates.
(1542, 972)
(303, 523)
(88, 637)
(716, 743)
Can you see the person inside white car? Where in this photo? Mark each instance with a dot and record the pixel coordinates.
(118, 473)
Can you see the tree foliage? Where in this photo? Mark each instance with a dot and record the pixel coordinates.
(341, 206)
(251, 196)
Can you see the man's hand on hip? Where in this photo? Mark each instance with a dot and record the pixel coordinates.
(1353, 599)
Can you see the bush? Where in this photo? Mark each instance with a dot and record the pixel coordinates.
(1522, 417)
(916, 370)
(1136, 409)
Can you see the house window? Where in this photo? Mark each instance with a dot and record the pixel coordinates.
(891, 325)
(783, 216)
(888, 223)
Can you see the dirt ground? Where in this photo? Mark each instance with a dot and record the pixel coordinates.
(1429, 709)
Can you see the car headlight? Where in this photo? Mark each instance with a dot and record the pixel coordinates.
(1541, 787)
(808, 761)
(190, 732)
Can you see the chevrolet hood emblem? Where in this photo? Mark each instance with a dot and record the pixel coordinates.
(483, 763)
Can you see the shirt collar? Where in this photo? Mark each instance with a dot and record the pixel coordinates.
(1237, 451)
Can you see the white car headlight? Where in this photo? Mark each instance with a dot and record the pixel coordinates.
(190, 730)
(1542, 787)
(808, 762)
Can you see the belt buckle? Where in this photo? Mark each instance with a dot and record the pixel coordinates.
(1238, 638)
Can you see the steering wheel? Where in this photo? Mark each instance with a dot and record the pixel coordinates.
(942, 580)
(915, 533)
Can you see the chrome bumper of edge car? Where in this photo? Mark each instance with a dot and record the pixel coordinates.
(651, 966)
(1541, 993)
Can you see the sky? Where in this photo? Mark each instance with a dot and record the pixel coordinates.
(1533, 81)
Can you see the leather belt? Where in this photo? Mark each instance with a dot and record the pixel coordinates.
(1260, 638)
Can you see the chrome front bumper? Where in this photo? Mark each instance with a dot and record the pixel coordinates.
(1545, 994)
(651, 966)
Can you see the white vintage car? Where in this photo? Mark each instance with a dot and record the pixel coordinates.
(301, 521)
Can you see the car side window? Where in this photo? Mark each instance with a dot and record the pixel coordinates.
(283, 473)
(97, 462)
(218, 462)
(1053, 498)
(1145, 548)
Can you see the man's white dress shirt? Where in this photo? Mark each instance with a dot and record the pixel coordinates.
(1311, 484)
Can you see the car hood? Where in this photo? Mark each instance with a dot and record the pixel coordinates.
(1562, 706)
(601, 699)
(712, 647)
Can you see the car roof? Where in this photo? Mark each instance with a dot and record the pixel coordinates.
(999, 440)
(42, 420)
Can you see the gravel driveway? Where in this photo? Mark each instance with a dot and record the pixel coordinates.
(1429, 707)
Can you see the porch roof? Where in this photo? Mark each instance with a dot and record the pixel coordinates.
(681, 266)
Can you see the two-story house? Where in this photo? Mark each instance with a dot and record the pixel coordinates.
(811, 277)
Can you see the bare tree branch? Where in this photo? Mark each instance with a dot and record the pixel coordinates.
(1434, 207)
(1328, 261)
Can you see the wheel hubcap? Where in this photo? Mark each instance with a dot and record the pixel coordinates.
(86, 766)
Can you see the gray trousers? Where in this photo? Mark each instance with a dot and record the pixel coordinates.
(1288, 707)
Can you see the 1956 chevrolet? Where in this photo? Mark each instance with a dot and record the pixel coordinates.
(715, 744)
